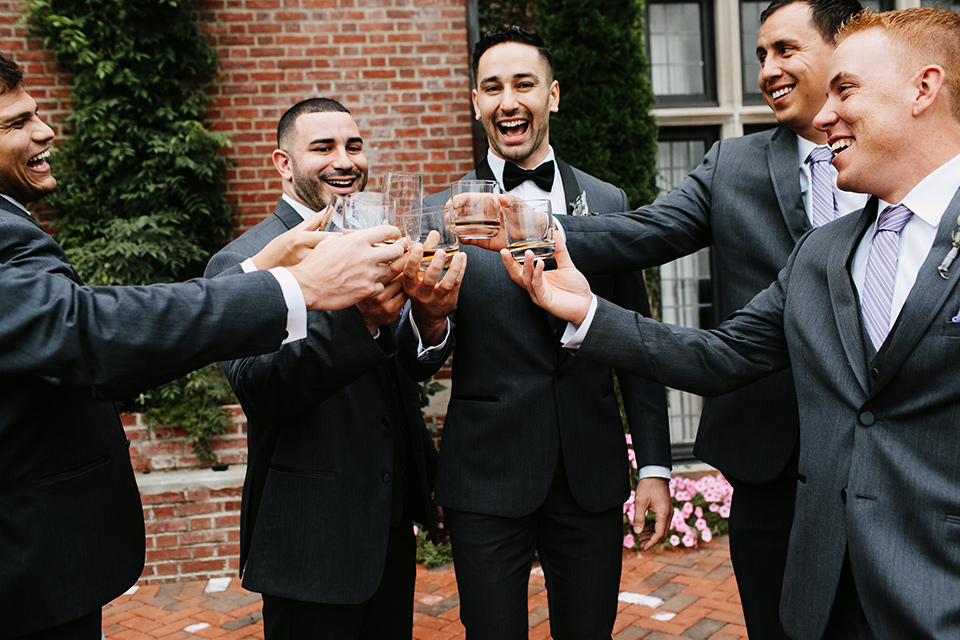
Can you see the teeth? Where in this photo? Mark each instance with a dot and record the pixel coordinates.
(840, 145)
(39, 157)
(340, 183)
(781, 92)
(512, 123)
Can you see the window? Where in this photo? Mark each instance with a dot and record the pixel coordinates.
(680, 49)
(686, 289)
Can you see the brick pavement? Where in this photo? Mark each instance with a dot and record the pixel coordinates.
(683, 595)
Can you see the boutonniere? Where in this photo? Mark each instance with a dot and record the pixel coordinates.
(579, 206)
(952, 254)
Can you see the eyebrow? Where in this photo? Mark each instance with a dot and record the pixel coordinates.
(7, 122)
(333, 141)
(516, 76)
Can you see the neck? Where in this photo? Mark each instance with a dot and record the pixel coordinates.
(813, 135)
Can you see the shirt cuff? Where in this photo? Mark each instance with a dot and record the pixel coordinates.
(559, 230)
(654, 471)
(248, 266)
(425, 354)
(573, 335)
(296, 305)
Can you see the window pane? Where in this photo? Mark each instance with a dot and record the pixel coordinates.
(676, 48)
(750, 11)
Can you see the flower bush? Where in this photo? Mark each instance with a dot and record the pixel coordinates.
(701, 507)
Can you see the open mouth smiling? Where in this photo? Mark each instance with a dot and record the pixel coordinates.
(839, 145)
(38, 161)
(779, 93)
(513, 128)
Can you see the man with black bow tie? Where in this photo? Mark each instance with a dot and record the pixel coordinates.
(533, 457)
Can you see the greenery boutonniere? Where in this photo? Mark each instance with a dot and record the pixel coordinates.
(952, 254)
(579, 206)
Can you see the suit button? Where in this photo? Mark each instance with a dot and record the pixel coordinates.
(843, 494)
(874, 373)
(387, 476)
(867, 418)
(386, 422)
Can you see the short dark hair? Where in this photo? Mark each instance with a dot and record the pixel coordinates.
(11, 75)
(513, 33)
(827, 15)
(310, 105)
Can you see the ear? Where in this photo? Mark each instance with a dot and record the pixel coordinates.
(555, 96)
(283, 164)
(476, 106)
(929, 81)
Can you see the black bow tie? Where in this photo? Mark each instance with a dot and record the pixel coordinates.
(514, 176)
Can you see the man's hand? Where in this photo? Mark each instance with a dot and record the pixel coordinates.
(564, 292)
(383, 308)
(291, 247)
(652, 494)
(343, 270)
(432, 299)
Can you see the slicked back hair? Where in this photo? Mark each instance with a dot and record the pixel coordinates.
(826, 15)
(11, 75)
(500, 35)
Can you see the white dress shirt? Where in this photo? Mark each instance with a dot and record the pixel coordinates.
(529, 190)
(847, 201)
(928, 201)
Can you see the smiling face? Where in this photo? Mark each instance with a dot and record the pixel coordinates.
(514, 97)
(794, 59)
(24, 146)
(868, 119)
(323, 156)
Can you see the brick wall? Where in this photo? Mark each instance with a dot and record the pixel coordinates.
(399, 65)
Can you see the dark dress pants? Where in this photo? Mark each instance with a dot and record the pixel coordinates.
(580, 553)
(85, 628)
(387, 615)
(847, 620)
(760, 519)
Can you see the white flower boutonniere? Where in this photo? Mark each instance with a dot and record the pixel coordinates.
(580, 207)
(952, 254)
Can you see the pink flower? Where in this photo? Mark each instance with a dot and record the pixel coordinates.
(724, 511)
(689, 540)
(629, 541)
(674, 540)
(698, 512)
(706, 535)
(700, 524)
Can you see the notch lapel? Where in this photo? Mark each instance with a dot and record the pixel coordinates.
(785, 174)
(923, 303)
(843, 296)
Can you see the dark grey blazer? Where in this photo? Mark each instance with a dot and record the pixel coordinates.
(71, 525)
(879, 472)
(743, 200)
(519, 401)
(324, 416)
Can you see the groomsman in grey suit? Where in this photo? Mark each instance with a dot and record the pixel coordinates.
(340, 463)
(866, 314)
(533, 458)
(751, 200)
(71, 524)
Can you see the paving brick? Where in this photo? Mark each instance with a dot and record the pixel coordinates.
(704, 629)
(678, 602)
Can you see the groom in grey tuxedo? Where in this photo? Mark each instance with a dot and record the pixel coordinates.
(751, 200)
(533, 458)
(866, 314)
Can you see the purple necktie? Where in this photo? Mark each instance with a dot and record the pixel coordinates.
(824, 200)
(881, 269)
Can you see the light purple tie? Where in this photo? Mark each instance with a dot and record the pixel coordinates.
(881, 269)
(824, 200)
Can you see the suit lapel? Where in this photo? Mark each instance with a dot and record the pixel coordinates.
(484, 172)
(923, 303)
(846, 305)
(287, 214)
(9, 207)
(782, 160)
(571, 188)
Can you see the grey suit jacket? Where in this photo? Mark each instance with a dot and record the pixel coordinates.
(334, 425)
(743, 200)
(520, 403)
(879, 472)
(71, 525)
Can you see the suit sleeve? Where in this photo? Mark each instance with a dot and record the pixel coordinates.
(122, 340)
(746, 347)
(675, 225)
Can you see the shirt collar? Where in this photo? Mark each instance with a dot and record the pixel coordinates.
(932, 195)
(497, 163)
(804, 147)
(304, 211)
(17, 204)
